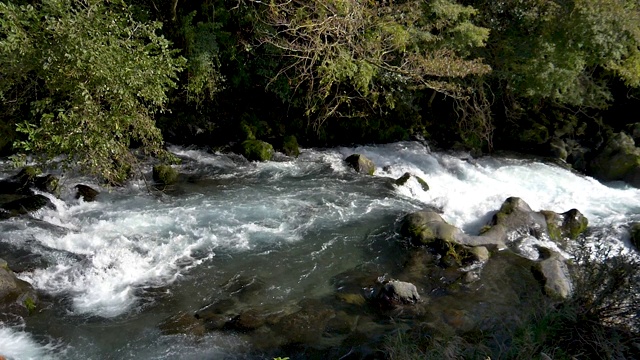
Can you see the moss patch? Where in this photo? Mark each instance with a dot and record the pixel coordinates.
(290, 146)
(165, 174)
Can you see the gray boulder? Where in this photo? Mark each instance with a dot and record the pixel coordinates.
(361, 164)
(396, 292)
(554, 275)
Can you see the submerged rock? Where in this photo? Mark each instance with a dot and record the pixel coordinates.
(182, 323)
(86, 192)
(361, 164)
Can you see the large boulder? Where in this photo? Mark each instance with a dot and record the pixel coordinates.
(619, 159)
(361, 164)
(257, 150)
(456, 248)
(427, 227)
(515, 220)
(15, 295)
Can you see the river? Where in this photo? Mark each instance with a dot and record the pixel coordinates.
(112, 270)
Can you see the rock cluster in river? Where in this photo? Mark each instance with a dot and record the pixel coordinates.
(441, 260)
(17, 195)
(513, 223)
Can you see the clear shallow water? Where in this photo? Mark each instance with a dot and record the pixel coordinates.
(119, 266)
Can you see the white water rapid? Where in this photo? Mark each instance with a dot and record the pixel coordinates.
(115, 267)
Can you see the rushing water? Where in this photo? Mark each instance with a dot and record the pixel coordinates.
(115, 268)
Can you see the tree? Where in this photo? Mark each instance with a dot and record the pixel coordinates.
(350, 58)
(561, 51)
(86, 80)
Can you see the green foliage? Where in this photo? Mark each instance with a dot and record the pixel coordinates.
(30, 305)
(353, 58)
(204, 79)
(92, 78)
(563, 51)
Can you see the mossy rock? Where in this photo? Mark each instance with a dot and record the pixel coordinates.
(48, 183)
(16, 296)
(165, 174)
(574, 224)
(290, 146)
(568, 225)
(361, 164)
(257, 150)
(554, 224)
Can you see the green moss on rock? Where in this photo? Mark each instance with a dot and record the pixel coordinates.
(574, 224)
(290, 146)
(257, 150)
(165, 174)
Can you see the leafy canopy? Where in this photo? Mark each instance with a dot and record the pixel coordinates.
(91, 79)
(350, 57)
